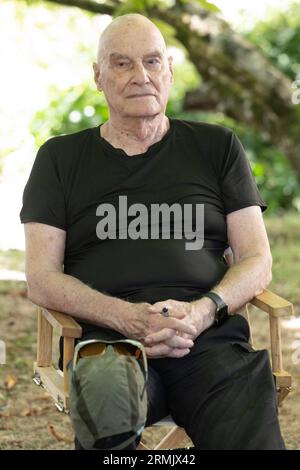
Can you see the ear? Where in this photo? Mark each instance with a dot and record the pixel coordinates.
(97, 79)
(170, 60)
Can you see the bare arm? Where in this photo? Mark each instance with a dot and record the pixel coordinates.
(49, 287)
(252, 269)
(248, 276)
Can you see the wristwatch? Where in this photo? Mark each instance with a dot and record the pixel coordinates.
(221, 313)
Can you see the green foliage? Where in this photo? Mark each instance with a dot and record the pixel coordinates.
(186, 78)
(279, 38)
(276, 179)
(68, 112)
(283, 230)
(273, 173)
(144, 6)
(140, 6)
(204, 4)
(209, 6)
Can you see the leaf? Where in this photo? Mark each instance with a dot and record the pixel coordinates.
(57, 435)
(209, 6)
(10, 381)
(205, 5)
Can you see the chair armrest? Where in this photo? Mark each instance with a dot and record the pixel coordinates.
(63, 323)
(273, 304)
(66, 327)
(276, 307)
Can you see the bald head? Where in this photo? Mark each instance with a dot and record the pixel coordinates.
(133, 25)
(133, 68)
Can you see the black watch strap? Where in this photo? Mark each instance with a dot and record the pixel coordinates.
(215, 298)
(221, 314)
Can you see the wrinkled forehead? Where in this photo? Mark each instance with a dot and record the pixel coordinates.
(131, 40)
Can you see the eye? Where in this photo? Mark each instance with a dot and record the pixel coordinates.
(122, 64)
(153, 61)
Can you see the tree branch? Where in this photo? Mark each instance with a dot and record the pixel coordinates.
(88, 5)
(238, 78)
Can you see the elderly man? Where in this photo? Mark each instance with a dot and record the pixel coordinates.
(201, 367)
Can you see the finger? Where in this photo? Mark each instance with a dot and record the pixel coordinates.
(170, 338)
(170, 304)
(175, 313)
(160, 336)
(159, 305)
(158, 350)
(180, 343)
(177, 353)
(181, 326)
(162, 352)
(183, 335)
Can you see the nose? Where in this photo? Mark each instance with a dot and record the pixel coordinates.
(140, 75)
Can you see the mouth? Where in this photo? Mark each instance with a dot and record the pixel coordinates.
(140, 96)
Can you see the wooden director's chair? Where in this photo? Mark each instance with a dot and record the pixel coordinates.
(56, 381)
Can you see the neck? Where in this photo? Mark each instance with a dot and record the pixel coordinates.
(135, 135)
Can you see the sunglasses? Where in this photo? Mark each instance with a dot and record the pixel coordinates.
(99, 349)
(93, 348)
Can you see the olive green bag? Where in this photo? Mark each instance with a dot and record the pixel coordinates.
(108, 395)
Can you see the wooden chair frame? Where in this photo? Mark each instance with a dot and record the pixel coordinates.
(56, 381)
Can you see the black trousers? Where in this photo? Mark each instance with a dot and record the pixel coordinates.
(222, 393)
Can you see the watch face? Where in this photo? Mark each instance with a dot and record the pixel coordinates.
(221, 314)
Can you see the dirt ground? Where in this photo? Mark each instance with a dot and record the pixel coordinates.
(28, 418)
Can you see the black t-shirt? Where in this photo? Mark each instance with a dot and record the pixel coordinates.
(194, 163)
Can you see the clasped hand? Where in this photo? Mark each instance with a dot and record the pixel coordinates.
(176, 342)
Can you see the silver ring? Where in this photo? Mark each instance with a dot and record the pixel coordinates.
(165, 312)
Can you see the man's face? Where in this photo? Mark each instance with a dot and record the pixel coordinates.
(135, 73)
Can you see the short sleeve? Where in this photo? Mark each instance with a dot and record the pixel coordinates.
(238, 185)
(43, 196)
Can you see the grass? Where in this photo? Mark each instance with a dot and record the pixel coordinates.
(284, 236)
